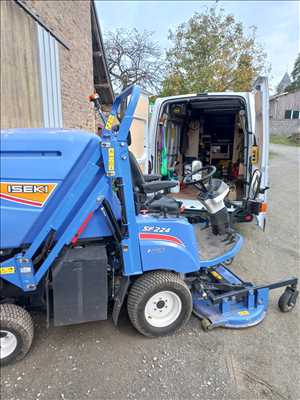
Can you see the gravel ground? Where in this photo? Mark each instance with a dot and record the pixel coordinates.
(98, 361)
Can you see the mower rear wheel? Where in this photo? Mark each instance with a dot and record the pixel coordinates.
(16, 333)
(159, 303)
(287, 300)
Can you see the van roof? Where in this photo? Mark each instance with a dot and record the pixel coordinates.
(186, 96)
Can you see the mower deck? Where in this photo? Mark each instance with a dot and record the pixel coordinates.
(221, 299)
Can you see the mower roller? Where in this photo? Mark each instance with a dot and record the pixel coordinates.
(84, 231)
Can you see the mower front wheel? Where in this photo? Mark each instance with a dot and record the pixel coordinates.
(16, 333)
(206, 325)
(159, 303)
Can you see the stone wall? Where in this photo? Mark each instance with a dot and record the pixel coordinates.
(285, 127)
(71, 22)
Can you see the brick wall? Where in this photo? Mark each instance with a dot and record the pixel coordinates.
(71, 22)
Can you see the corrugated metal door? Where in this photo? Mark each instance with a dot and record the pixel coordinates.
(50, 79)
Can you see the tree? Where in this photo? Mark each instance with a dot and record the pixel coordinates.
(211, 52)
(295, 75)
(133, 58)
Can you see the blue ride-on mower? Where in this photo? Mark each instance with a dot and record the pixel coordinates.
(84, 232)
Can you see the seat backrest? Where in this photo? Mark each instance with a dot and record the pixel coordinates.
(136, 173)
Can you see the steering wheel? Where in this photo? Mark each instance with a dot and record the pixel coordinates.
(211, 169)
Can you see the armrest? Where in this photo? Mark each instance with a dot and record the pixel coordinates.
(164, 204)
(156, 186)
(152, 177)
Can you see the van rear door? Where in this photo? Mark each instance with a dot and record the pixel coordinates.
(260, 145)
(139, 131)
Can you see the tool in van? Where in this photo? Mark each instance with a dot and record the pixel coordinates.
(164, 155)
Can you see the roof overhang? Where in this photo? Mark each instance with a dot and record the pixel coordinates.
(102, 81)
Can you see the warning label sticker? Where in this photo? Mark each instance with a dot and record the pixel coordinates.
(244, 312)
(7, 270)
(111, 159)
(109, 122)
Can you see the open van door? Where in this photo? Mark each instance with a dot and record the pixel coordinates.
(260, 148)
(139, 131)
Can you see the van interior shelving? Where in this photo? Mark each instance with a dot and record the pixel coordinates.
(210, 130)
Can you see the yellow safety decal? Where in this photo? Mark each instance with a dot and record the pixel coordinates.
(28, 193)
(245, 312)
(216, 275)
(109, 122)
(254, 154)
(7, 270)
(111, 159)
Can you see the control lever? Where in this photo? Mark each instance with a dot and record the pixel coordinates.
(95, 98)
(262, 190)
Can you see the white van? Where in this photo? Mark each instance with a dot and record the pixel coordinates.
(228, 130)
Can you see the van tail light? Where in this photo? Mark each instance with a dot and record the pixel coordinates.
(263, 207)
(256, 207)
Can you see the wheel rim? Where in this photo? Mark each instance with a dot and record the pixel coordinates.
(162, 309)
(8, 343)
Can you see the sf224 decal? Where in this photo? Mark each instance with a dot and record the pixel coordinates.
(156, 229)
(30, 194)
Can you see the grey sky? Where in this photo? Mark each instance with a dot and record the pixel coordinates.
(278, 23)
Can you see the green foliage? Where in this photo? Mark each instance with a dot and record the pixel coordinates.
(211, 52)
(288, 141)
(295, 75)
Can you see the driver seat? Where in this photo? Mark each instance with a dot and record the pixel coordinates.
(142, 187)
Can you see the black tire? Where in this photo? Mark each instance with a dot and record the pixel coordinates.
(287, 300)
(150, 284)
(16, 321)
(206, 324)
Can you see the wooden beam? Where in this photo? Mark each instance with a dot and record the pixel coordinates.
(101, 85)
(99, 40)
(97, 54)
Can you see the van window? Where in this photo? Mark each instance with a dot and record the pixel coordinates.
(296, 114)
